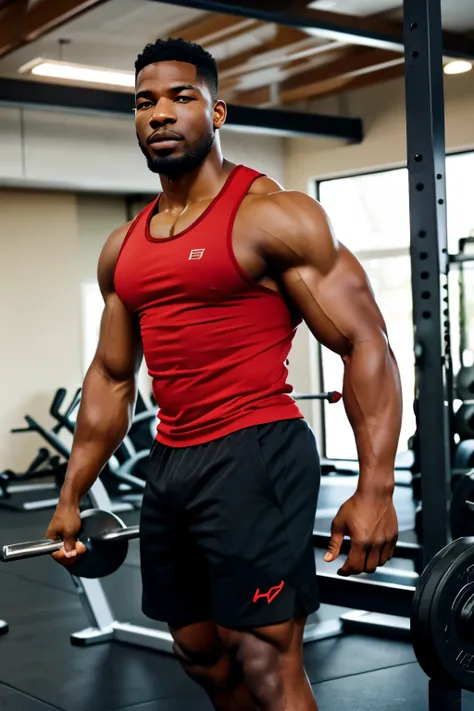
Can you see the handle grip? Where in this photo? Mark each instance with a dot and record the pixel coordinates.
(30, 549)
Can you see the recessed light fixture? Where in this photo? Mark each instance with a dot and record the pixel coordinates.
(78, 72)
(322, 5)
(458, 66)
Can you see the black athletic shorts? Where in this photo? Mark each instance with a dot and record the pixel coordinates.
(226, 528)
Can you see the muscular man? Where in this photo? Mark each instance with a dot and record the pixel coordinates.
(210, 282)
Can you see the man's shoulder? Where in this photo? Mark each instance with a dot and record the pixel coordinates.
(109, 255)
(270, 202)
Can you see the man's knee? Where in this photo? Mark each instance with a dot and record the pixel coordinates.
(271, 659)
(262, 670)
(211, 668)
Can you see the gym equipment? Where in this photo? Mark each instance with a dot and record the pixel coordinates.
(465, 383)
(464, 421)
(443, 616)
(464, 455)
(64, 419)
(104, 535)
(126, 470)
(462, 507)
(126, 489)
(44, 466)
(332, 396)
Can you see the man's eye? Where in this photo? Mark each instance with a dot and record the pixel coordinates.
(184, 98)
(144, 105)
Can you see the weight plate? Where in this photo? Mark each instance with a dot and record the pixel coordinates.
(100, 559)
(464, 455)
(442, 647)
(465, 383)
(461, 516)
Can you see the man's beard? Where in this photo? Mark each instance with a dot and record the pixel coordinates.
(176, 166)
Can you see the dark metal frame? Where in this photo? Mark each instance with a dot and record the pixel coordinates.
(282, 123)
(426, 147)
(428, 241)
(282, 12)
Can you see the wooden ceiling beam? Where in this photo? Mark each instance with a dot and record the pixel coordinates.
(285, 39)
(341, 84)
(351, 61)
(20, 23)
(11, 22)
(253, 97)
(324, 85)
(349, 72)
(215, 28)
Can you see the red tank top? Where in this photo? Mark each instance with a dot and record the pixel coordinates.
(215, 342)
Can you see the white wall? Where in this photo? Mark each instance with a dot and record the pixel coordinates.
(83, 151)
(39, 307)
(382, 109)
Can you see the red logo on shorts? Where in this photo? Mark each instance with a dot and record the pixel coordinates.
(271, 594)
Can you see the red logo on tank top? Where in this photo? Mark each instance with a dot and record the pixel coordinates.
(271, 594)
(196, 253)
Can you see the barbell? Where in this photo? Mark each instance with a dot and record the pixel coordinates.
(104, 535)
(442, 620)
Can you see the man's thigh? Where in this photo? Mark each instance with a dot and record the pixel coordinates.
(254, 521)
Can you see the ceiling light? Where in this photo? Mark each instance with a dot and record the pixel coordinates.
(78, 72)
(459, 66)
(322, 5)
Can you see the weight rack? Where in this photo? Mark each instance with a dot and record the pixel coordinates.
(426, 151)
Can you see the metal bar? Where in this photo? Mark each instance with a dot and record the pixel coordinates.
(29, 549)
(332, 396)
(289, 123)
(426, 167)
(376, 624)
(368, 595)
(124, 534)
(403, 550)
(146, 637)
(95, 604)
(321, 25)
(461, 258)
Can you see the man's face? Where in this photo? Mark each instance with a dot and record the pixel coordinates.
(175, 118)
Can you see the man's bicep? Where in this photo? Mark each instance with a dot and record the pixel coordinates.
(321, 276)
(338, 304)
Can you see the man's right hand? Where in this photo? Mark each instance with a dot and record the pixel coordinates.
(64, 526)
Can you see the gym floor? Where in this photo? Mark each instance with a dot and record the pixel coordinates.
(41, 670)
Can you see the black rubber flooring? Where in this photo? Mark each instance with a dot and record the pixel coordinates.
(41, 670)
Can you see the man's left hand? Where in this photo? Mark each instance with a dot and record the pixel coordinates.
(370, 521)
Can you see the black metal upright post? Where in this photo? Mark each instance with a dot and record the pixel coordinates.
(429, 259)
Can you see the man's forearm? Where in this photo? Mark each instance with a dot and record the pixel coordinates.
(373, 402)
(103, 421)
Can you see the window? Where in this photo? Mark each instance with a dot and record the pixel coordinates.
(370, 215)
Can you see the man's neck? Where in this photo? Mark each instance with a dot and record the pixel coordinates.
(201, 184)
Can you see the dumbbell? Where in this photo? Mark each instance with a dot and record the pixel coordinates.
(104, 535)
